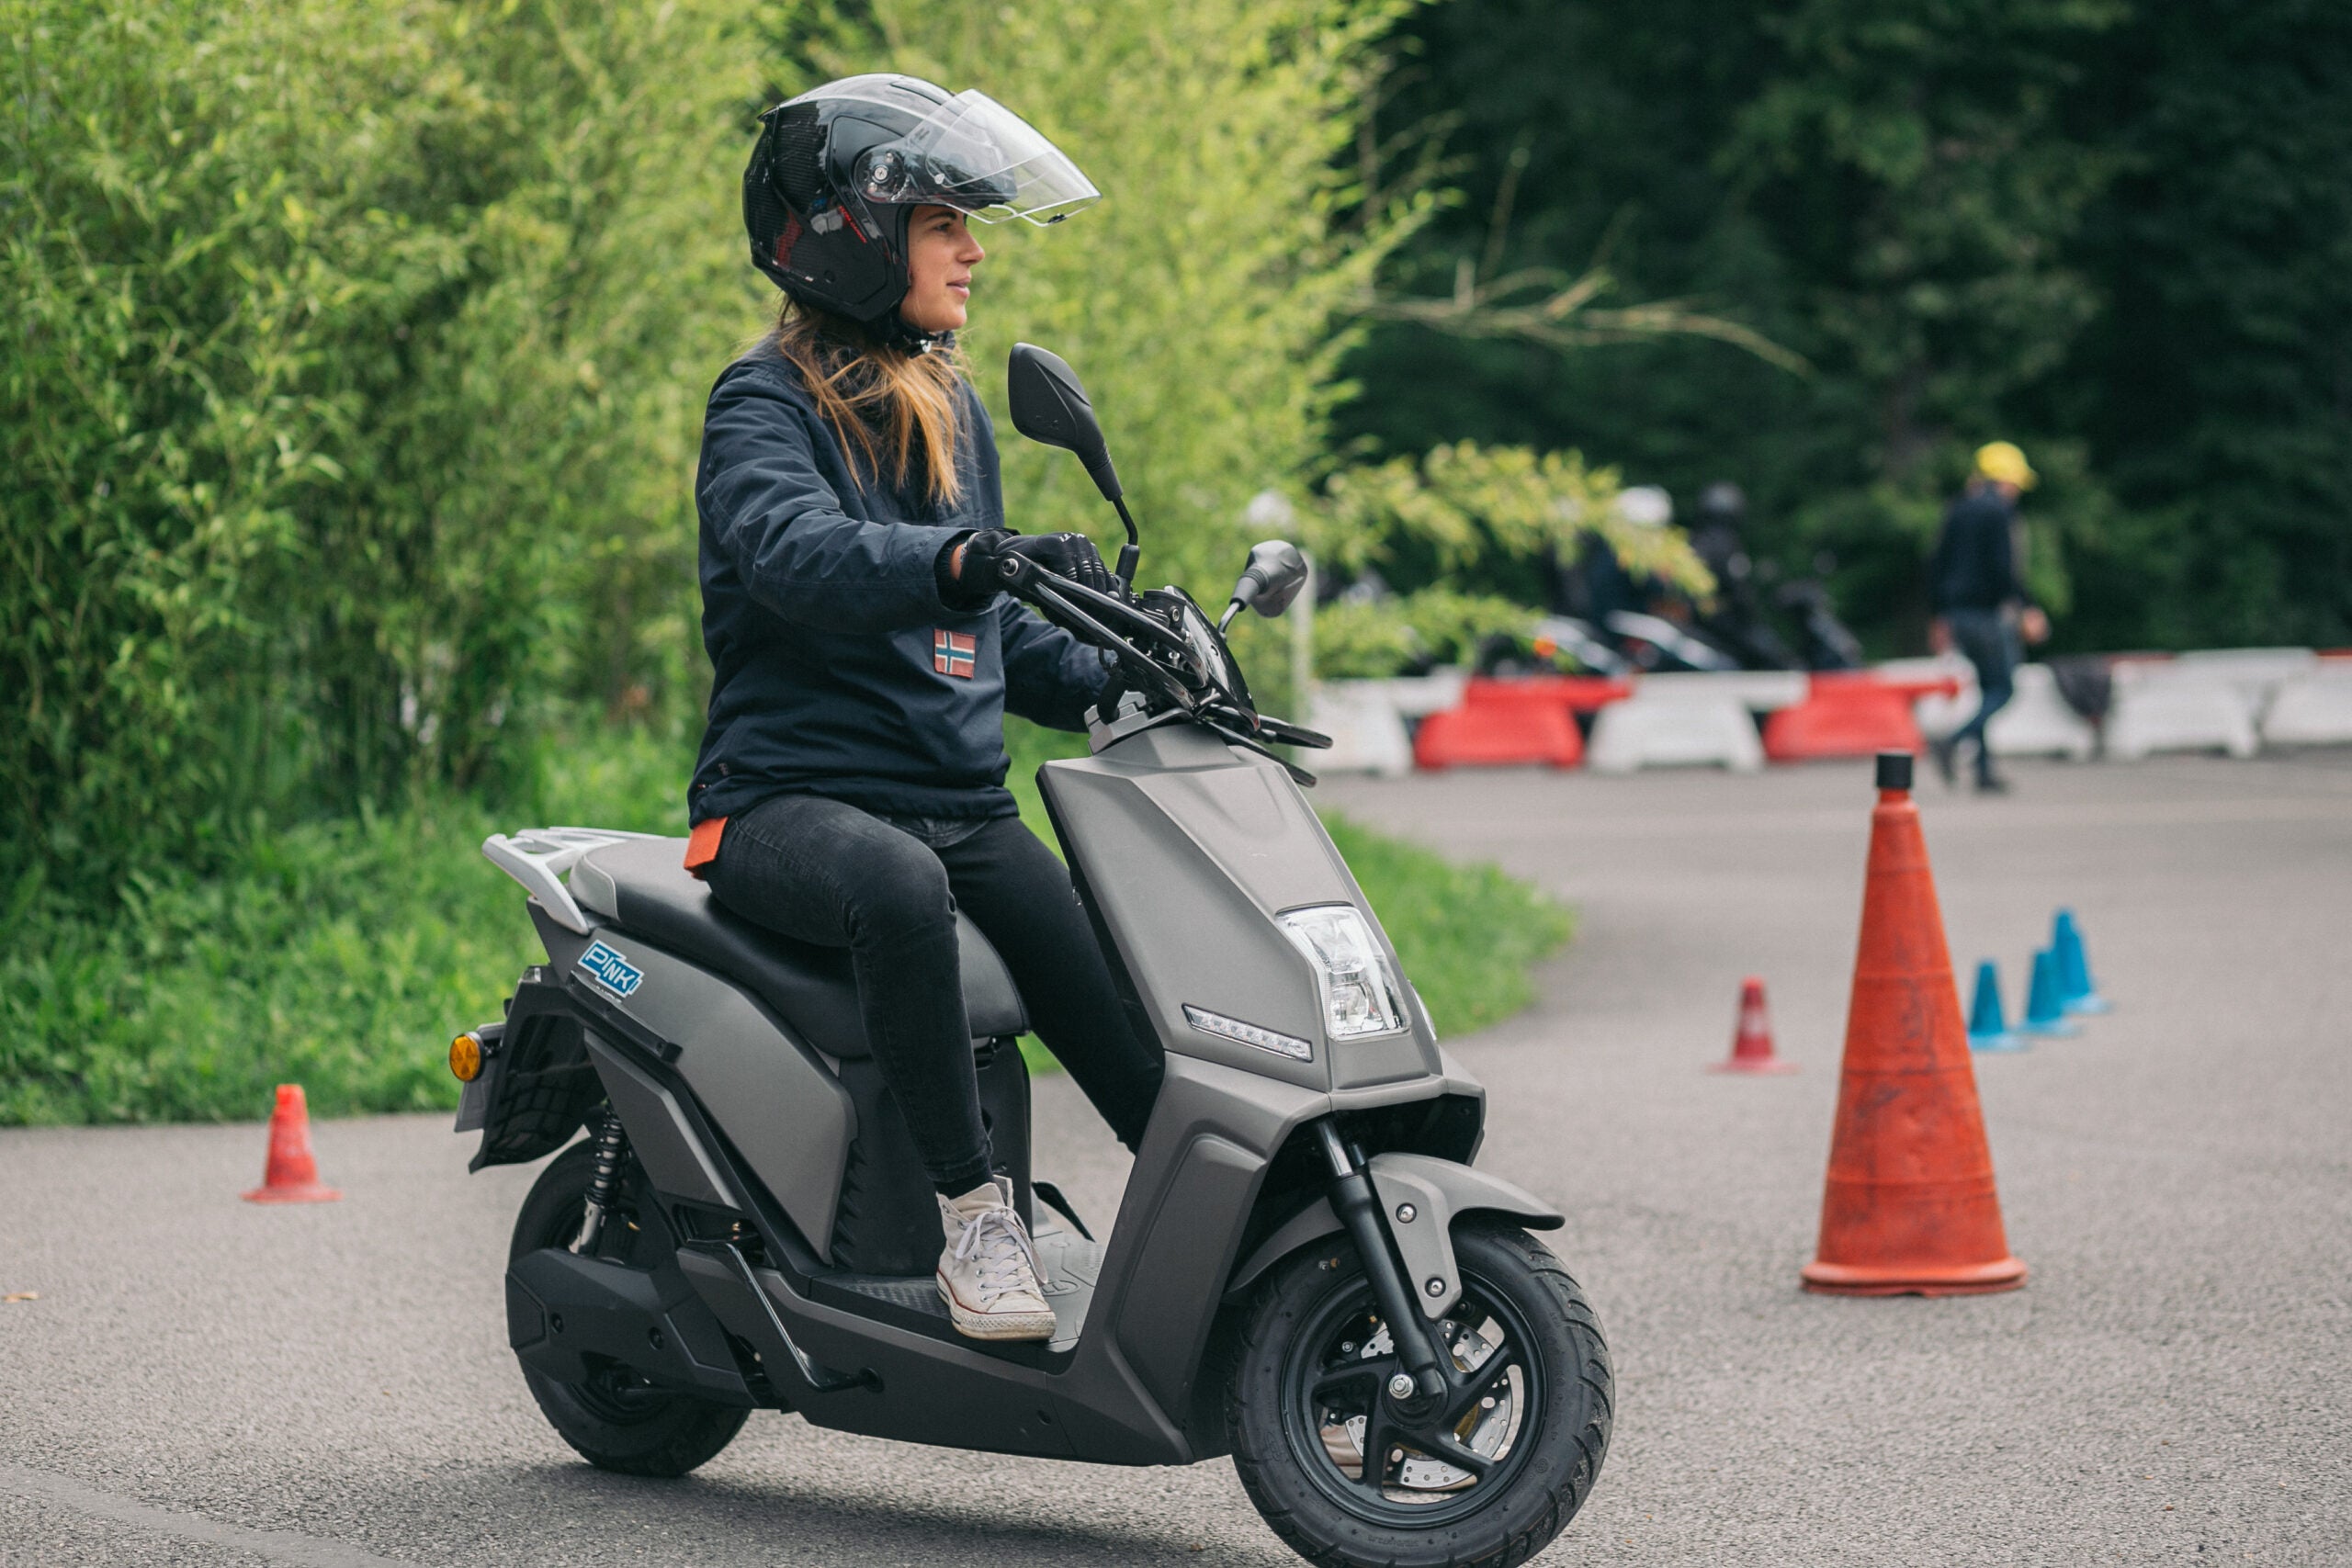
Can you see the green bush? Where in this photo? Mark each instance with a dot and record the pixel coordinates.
(338, 955)
(341, 956)
(354, 358)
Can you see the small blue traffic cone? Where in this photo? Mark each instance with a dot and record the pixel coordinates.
(2076, 990)
(2045, 1010)
(1988, 1027)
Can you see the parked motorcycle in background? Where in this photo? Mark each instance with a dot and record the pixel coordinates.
(1609, 622)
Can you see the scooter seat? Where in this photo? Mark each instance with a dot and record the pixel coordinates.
(643, 886)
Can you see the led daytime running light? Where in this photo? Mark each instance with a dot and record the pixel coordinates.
(1225, 1028)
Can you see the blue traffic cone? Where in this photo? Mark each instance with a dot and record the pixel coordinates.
(2045, 1010)
(2076, 990)
(1988, 1027)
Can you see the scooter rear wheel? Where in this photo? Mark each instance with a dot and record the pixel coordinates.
(1342, 1474)
(616, 1420)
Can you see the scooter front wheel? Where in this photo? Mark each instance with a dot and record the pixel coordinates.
(1484, 1478)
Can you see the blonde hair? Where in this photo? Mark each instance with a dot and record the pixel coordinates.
(884, 403)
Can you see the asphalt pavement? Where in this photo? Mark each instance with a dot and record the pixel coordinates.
(202, 1380)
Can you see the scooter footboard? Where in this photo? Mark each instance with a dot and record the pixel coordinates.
(1434, 1193)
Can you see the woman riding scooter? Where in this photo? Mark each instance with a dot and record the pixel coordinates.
(850, 791)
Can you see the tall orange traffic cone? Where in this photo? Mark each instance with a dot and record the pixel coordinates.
(292, 1176)
(1909, 1208)
(1751, 1043)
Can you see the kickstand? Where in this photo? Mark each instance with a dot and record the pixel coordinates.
(1052, 1197)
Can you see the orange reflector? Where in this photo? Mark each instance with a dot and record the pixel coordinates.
(464, 1058)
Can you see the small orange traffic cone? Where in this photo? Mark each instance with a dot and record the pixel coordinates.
(1909, 1207)
(292, 1176)
(1751, 1043)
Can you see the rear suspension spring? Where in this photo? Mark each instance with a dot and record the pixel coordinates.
(603, 1180)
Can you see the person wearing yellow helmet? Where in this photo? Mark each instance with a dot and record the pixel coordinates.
(2001, 463)
(1979, 598)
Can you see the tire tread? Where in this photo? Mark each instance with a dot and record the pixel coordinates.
(1260, 1343)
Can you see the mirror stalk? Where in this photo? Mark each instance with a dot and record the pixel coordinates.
(1132, 551)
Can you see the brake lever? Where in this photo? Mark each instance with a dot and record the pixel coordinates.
(1025, 577)
(1291, 734)
(1142, 621)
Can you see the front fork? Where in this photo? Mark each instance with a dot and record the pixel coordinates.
(1425, 1356)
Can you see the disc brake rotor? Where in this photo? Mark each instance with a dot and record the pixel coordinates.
(1485, 1429)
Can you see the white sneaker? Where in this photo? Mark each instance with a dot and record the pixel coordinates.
(989, 1275)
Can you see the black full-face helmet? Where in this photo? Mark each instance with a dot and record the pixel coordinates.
(839, 170)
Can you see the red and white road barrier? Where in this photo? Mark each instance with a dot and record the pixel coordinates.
(2230, 700)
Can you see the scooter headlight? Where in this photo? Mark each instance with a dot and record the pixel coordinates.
(1361, 995)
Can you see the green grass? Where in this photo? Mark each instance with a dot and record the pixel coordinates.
(341, 956)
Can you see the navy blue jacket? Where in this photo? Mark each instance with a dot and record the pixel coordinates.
(836, 667)
(1975, 563)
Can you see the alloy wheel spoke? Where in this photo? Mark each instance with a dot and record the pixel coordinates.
(1378, 1432)
(1472, 1386)
(1456, 1453)
(1359, 1382)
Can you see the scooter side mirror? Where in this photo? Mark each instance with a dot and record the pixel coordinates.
(1273, 578)
(1050, 407)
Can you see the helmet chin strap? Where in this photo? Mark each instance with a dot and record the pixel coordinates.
(893, 332)
(891, 328)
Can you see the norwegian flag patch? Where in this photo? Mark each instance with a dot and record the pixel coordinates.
(955, 653)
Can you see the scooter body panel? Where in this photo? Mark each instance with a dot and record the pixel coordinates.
(676, 1160)
(1187, 848)
(781, 1107)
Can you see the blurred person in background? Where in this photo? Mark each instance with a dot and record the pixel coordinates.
(1979, 598)
(1737, 620)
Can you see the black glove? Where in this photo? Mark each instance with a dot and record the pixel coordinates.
(1065, 555)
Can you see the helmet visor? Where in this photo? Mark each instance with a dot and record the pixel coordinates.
(975, 154)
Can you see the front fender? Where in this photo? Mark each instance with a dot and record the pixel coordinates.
(1439, 1191)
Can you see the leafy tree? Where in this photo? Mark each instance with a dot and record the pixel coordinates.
(2113, 231)
(361, 353)
(2215, 392)
(1205, 300)
(343, 378)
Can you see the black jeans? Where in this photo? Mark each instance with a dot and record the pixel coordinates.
(1991, 645)
(826, 873)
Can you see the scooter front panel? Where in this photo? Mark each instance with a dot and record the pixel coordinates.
(1188, 849)
(1183, 931)
(1249, 819)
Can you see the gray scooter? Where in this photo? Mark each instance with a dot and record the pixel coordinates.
(1304, 1271)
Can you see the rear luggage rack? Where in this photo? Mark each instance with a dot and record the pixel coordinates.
(537, 857)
